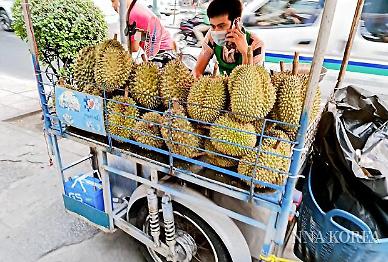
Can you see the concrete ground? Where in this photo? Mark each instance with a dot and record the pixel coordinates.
(33, 223)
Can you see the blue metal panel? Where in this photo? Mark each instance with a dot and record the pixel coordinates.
(80, 110)
(90, 213)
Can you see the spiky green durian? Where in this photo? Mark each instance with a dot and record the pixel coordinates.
(122, 115)
(290, 99)
(231, 130)
(83, 68)
(109, 43)
(179, 133)
(113, 66)
(258, 124)
(145, 88)
(215, 159)
(148, 130)
(273, 154)
(252, 95)
(176, 80)
(206, 99)
(92, 90)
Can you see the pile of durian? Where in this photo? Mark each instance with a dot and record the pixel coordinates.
(220, 119)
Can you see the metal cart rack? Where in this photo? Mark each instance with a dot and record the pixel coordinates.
(158, 176)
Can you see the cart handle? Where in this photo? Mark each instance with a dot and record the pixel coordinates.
(353, 219)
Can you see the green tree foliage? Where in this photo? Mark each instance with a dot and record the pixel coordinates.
(62, 28)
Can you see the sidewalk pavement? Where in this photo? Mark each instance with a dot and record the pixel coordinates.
(33, 223)
(17, 97)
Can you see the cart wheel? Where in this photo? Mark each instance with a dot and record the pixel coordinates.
(209, 246)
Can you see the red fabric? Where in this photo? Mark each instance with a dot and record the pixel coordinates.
(149, 22)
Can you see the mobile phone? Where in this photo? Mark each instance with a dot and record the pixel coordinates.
(236, 23)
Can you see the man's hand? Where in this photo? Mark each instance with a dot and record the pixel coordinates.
(237, 37)
(116, 5)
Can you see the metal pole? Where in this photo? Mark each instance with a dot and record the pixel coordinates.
(319, 53)
(349, 44)
(106, 192)
(35, 61)
(123, 23)
(155, 8)
(173, 21)
(38, 75)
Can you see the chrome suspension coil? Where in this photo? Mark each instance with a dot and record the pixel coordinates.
(153, 211)
(169, 224)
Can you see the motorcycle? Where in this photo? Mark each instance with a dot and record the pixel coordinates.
(186, 30)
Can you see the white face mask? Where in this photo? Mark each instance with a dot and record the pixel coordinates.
(219, 37)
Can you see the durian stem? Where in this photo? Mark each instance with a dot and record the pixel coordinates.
(175, 47)
(250, 55)
(144, 58)
(61, 81)
(295, 64)
(277, 144)
(126, 92)
(204, 127)
(115, 37)
(200, 154)
(281, 66)
(175, 105)
(215, 69)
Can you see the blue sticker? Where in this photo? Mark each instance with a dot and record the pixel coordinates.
(80, 110)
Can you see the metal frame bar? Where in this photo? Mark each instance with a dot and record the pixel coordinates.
(103, 159)
(77, 162)
(140, 236)
(265, 200)
(35, 62)
(319, 53)
(191, 199)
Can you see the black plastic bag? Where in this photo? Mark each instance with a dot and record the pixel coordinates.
(348, 180)
(361, 126)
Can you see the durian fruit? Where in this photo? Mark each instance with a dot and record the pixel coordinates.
(92, 90)
(221, 131)
(145, 87)
(278, 78)
(206, 98)
(83, 68)
(109, 43)
(179, 130)
(176, 80)
(289, 101)
(269, 125)
(216, 159)
(252, 95)
(277, 162)
(113, 66)
(148, 131)
(289, 104)
(131, 79)
(276, 133)
(122, 117)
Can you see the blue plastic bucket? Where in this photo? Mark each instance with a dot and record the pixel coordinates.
(323, 239)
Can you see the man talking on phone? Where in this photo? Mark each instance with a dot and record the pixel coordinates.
(227, 39)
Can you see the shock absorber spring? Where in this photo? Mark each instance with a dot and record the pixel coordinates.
(153, 211)
(169, 223)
